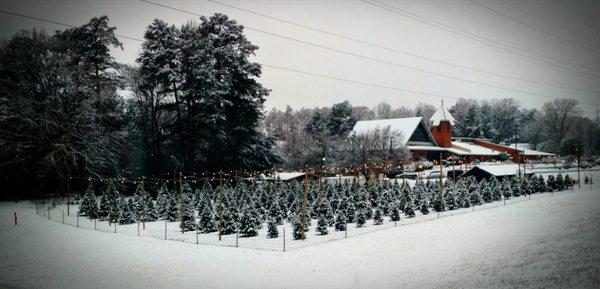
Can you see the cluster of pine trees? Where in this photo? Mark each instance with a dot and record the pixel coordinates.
(246, 207)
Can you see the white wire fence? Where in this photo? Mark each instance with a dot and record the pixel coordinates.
(59, 211)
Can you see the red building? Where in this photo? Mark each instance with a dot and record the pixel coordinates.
(431, 143)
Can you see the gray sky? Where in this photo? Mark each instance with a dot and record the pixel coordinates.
(571, 33)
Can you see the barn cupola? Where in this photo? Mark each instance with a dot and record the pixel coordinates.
(441, 124)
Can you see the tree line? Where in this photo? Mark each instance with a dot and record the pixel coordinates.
(557, 127)
(191, 102)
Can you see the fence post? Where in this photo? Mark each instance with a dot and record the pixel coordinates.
(138, 228)
(237, 237)
(63, 216)
(16, 219)
(284, 238)
(165, 230)
(36, 208)
(196, 236)
(77, 220)
(48, 213)
(115, 228)
(94, 224)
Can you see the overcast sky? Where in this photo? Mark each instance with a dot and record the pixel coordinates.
(556, 46)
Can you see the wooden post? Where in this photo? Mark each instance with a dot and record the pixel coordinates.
(95, 224)
(63, 216)
(16, 221)
(138, 228)
(441, 185)
(165, 230)
(77, 220)
(284, 238)
(143, 200)
(68, 194)
(578, 164)
(180, 204)
(304, 205)
(220, 206)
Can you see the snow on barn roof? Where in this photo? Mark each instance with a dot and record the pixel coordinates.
(284, 176)
(499, 170)
(536, 153)
(473, 149)
(405, 126)
(440, 115)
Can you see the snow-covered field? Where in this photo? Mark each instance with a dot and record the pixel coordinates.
(548, 242)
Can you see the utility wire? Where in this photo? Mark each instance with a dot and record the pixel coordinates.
(56, 22)
(535, 27)
(397, 50)
(263, 64)
(483, 39)
(378, 60)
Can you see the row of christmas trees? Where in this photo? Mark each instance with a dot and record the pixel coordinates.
(246, 207)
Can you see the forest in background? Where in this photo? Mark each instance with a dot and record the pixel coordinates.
(193, 103)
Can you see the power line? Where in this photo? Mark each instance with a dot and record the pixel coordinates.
(535, 27)
(378, 60)
(482, 39)
(396, 50)
(265, 65)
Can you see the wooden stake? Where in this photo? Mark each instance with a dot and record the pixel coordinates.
(220, 207)
(304, 205)
(180, 204)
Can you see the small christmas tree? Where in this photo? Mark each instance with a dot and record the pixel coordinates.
(150, 210)
(351, 213)
(560, 183)
(249, 223)
(551, 184)
(487, 194)
(272, 228)
(322, 225)
(378, 217)
(425, 207)
(298, 234)
(340, 221)
(162, 203)
(568, 181)
(89, 207)
(172, 213)
(409, 211)
(395, 212)
(126, 216)
(186, 214)
(103, 209)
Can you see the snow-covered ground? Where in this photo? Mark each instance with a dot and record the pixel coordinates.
(548, 242)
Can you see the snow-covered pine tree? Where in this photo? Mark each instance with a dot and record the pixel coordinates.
(186, 213)
(272, 228)
(162, 202)
(395, 212)
(551, 183)
(340, 221)
(351, 213)
(568, 181)
(298, 234)
(126, 216)
(206, 213)
(172, 213)
(424, 207)
(378, 216)
(322, 224)
(89, 207)
(249, 221)
(486, 195)
(450, 199)
(103, 208)
(150, 210)
(409, 210)
(475, 198)
(560, 183)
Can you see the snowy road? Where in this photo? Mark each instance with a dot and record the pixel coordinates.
(551, 242)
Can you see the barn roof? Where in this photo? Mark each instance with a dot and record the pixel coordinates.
(499, 170)
(405, 126)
